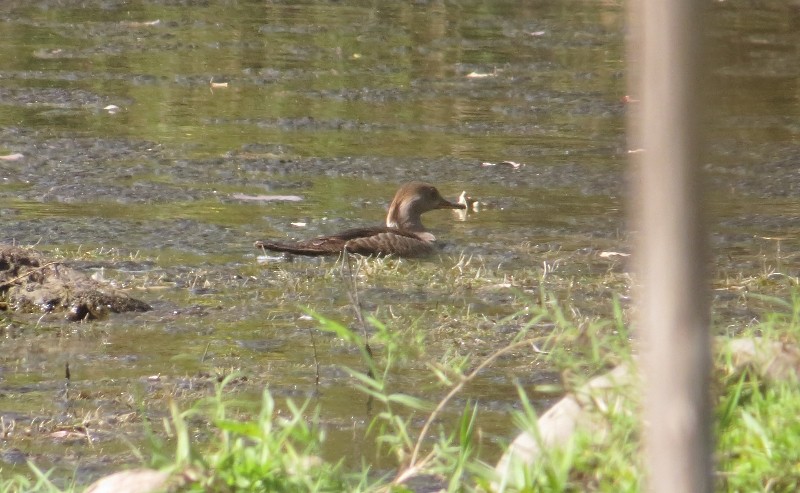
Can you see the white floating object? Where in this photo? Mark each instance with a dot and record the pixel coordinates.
(12, 157)
(99, 276)
(268, 198)
(265, 259)
(614, 254)
(480, 75)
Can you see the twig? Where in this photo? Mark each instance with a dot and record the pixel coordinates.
(205, 353)
(352, 294)
(316, 360)
(413, 465)
(26, 274)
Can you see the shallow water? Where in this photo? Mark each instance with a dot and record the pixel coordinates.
(338, 103)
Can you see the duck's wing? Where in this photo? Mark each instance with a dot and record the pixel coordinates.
(363, 241)
(391, 241)
(322, 245)
(315, 247)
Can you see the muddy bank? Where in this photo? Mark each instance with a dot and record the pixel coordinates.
(31, 283)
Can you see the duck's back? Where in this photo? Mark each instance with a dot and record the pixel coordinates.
(390, 241)
(377, 240)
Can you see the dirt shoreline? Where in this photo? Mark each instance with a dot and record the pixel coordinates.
(31, 283)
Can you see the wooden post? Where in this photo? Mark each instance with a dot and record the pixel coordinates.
(670, 249)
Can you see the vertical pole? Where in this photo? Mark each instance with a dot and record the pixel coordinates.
(671, 257)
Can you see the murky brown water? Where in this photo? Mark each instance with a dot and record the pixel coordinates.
(339, 102)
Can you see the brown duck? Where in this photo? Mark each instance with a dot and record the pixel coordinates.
(404, 235)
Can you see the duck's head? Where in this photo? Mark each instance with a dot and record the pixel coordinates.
(411, 201)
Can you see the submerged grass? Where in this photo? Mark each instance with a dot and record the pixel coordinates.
(541, 323)
(268, 450)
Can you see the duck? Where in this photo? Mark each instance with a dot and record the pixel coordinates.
(403, 234)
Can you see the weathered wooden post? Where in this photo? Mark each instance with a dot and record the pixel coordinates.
(670, 249)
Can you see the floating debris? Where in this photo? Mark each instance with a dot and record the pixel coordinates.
(217, 85)
(265, 259)
(140, 23)
(481, 75)
(513, 164)
(267, 198)
(469, 204)
(613, 254)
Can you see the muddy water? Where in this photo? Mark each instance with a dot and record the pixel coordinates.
(338, 103)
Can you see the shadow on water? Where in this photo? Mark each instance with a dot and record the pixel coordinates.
(143, 124)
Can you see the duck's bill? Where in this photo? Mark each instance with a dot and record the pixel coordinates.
(446, 204)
